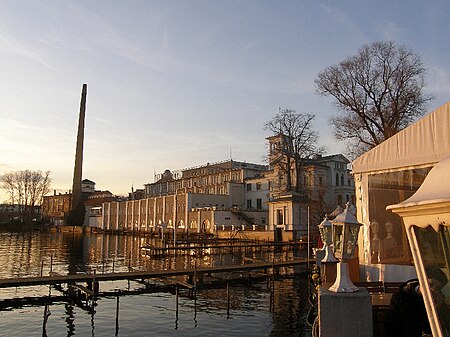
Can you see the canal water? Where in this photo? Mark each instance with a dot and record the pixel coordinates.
(256, 309)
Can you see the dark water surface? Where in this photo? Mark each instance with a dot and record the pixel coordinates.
(248, 312)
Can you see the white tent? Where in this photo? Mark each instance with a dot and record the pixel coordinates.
(390, 173)
(427, 141)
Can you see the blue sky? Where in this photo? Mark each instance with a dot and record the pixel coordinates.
(175, 84)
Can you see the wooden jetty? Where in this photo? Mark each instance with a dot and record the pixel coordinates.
(157, 250)
(140, 275)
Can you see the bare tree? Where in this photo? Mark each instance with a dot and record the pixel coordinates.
(379, 91)
(26, 189)
(299, 143)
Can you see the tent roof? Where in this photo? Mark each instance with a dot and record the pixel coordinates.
(427, 141)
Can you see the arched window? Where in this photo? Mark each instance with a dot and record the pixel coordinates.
(342, 180)
(337, 179)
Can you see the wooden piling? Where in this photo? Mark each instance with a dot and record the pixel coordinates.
(117, 315)
(228, 299)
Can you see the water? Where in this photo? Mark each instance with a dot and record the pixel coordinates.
(249, 312)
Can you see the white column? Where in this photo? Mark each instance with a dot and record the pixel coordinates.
(117, 216)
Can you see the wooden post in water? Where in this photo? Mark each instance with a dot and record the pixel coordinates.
(176, 300)
(195, 278)
(51, 264)
(228, 299)
(42, 266)
(117, 315)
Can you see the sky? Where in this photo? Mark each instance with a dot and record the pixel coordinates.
(176, 84)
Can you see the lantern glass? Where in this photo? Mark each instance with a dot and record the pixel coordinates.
(325, 230)
(337, 239)
(350, 239)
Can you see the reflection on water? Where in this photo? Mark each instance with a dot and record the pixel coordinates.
(238, 310)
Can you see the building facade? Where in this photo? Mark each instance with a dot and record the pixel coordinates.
(55, 207)
(235, 195)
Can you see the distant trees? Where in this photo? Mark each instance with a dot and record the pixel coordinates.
(299, 142)
(26, 189)
(380, 92)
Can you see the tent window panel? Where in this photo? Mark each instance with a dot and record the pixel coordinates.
(388, 241)
(434, 249)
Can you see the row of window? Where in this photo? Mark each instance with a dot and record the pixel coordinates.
(340, 166)
(56, 205)
(258, 204)
(163, 189)
(192, 182)
(340, 180)
(257, 186)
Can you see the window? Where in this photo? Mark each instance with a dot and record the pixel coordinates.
(280, 217)
(388, 242)
(258, 186)
(258, 204)
(337, 179)
(249, 204)
(342, 180)
(320, 181)
(433, 248)
(249, 187)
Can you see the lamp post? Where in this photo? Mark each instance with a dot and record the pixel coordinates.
(325, 230)
(345, 235)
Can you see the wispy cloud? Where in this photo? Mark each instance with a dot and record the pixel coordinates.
(390, 31)
(439, 79)
(101, 33)
(341, 18)
(11, 45)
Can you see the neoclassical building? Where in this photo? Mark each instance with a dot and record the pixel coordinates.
(234, 195)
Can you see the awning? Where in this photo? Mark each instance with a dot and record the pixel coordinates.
(427, 141)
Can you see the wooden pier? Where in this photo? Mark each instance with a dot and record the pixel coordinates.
(139, 275)
(157, 250)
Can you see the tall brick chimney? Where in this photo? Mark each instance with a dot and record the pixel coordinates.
(78, 168)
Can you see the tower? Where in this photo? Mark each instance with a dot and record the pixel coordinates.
(78, 168)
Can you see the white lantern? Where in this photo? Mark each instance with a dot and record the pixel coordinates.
(345, 237)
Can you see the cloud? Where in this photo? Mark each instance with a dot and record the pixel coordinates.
(390, 31)
(10, 45)
(343, 20)
(101, 33)
(439, 79)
